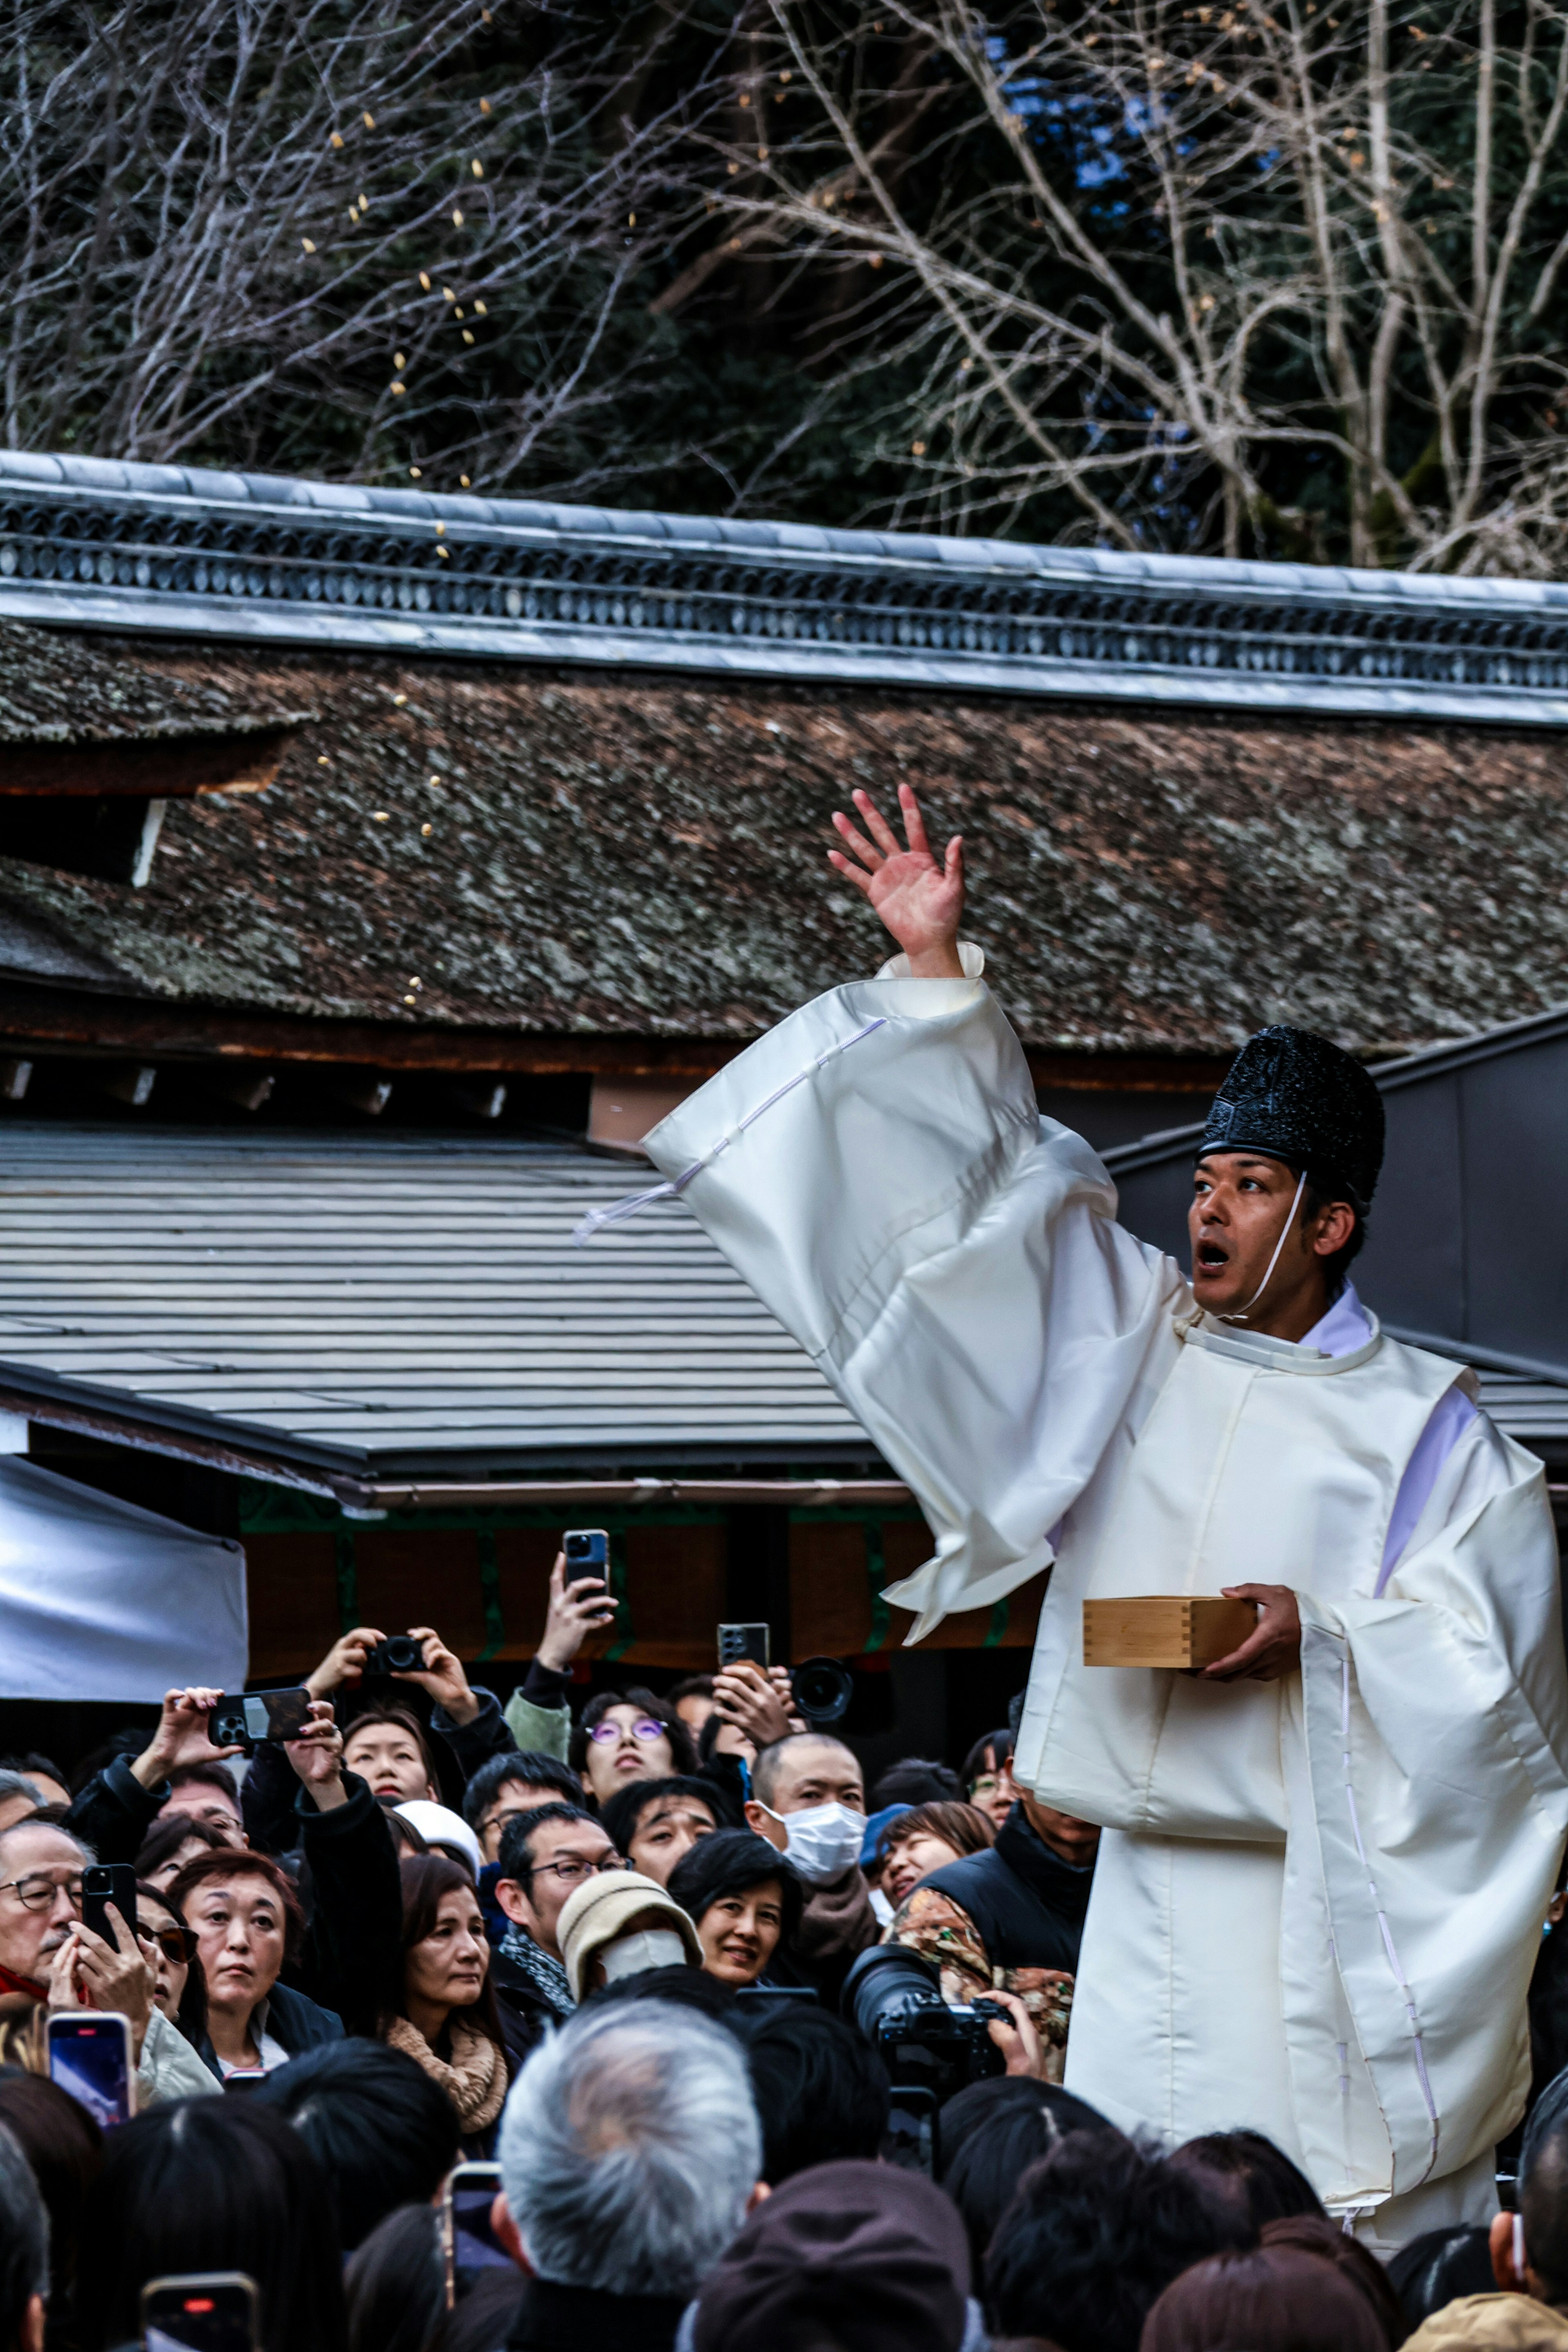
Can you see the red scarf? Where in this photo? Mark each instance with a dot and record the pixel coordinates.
(12, 1983)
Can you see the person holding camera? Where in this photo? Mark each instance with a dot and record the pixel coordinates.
(119, 1805)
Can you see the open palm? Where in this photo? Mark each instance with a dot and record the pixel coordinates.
(919, 902)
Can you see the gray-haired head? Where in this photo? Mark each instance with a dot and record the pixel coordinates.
(24, 2239)
(16, 1784)
(628, 2148)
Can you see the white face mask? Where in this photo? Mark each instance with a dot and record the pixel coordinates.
(649, 1948)
(822, 1841)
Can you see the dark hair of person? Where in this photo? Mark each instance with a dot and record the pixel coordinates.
(991, 2133)
(23, 2241)
(427, 1879)
(402, 1719)
(1096, 2233)
(772, 1759)
(516, 1847)
(621, 1813)
(961, 1826)
(821, 2090)
(1269, 2299)
(1253, 2175)
(1321, 1188)
(916, 1781)
(731, 1862)
(688, 1987)
(191, 2016)
(690, 1686)
(395, 2285)
(1439, 2267)
(405, 1838)
(988, 1754)
(212, 2185)
(33, 1763)
(1305, 2233)
(64, 2148)
(708, 1739)
(529, 1768)
(243, 1861)
(1543, 2190)
(483, 2319)
(383, 2130)
(165, 1838)
(682, 1749)
(129, 1740)
(207, 1776)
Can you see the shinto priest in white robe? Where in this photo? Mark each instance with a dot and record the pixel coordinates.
(1318, 1900)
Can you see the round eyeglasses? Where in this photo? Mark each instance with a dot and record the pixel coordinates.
(643, 1728)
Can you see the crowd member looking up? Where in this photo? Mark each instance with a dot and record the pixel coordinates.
(692, 1700)
(116, 1808)
(1269, 2299)
(855, 2254)
(629, 2156)
(916, 1780)
(1247, 2172)
(1097, 2231)
(923, 1837)
(445, 2019)
(744, 1899)
(169, 1844)
(382, 2128)
(808, 1799)
(212, 2185)
(179, 1988)
(654, 1823)
(64, 2148)
(18, 1798)
(626, 1736)
(619, 1924)
(205, 1792)
(991, 2133)
(1010, 1918)
(386, 1746)
(821, 2091)
(24, 2253)
(537, 1715)
(545, 1856)
(513, 1783)
(988, 1776)
(43, 1772)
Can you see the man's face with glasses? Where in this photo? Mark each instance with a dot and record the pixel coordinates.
(40, 1896)
(563, 1854)
(513, 1797)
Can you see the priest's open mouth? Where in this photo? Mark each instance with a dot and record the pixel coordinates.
(1211, 1257)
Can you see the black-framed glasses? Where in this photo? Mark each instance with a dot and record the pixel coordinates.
(39, 1888)
(572, 1872)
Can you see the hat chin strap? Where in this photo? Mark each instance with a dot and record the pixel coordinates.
(1242, 1313)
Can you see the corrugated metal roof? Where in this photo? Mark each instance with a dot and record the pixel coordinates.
(98, 543)
(386, 1303)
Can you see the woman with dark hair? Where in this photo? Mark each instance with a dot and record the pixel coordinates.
(64, 2148)
(212, 2185)
(1272, 2299)
(991, 2133)
(247, 1921)
(744, 1897)
(924, 1838)
(1244, 2168)
(628, 1736)
(173, 1842)
(1309, 2234)
(395, 2284)
(445, 2018)
(988, 1776)
(179, 1988)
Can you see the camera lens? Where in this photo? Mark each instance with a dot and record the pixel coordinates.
(889, 1985)
(823, 1689)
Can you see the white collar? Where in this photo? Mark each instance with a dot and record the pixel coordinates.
(1346, 1327)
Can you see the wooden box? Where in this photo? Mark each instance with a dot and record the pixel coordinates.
(1161, 1630)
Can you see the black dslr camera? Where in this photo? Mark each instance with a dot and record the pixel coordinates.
(401, 1654)
(894, 1996)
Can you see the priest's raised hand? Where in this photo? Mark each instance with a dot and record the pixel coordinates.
(921, 902)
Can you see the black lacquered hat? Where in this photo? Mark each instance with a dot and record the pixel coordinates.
(1298, 1097)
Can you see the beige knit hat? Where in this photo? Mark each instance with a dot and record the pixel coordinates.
(604, 1907)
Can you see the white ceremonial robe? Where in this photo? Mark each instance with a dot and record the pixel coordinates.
(1317, 1901)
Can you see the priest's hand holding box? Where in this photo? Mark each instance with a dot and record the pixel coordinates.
(1250, 1631)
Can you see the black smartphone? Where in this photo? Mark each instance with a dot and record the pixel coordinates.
(89, 2056)
(202, 2310)
(103, 1883)
(253, 1715)
(470, 2242)
(587, 1551)
(754, 1642)
(913, 2138)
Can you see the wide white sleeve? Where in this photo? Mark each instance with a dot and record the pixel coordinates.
(877, 1168)
(1436, 1743)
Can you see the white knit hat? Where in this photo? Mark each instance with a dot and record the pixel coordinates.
(439, 1826)
(602, 1908)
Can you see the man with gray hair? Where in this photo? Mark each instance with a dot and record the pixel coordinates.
(629, 2154)
(24, 2251)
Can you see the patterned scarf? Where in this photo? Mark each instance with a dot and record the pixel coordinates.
(475, 2080)
(544, 1973)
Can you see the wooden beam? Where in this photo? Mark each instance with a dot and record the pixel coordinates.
(160, 767)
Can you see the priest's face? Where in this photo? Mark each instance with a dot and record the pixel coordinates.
(1241, 1203)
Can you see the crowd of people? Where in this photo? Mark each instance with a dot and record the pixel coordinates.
(691, 1987)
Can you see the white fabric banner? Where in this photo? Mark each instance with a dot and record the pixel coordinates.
(101, 1601)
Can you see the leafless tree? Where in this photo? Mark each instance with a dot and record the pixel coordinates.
(1275, 276)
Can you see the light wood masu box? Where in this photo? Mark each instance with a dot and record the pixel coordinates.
(1166, 1630)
